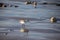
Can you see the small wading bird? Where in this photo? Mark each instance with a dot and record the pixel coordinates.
(1, 4)
(7, 5)
(28, 2)
(23, 29)
(34, 4)
(4, 5)
(53, 20)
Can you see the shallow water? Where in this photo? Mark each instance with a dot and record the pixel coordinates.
(39, 30)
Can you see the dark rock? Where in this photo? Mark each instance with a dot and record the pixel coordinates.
(5, 5)
(57, 4)
(45, 3)
(16, 6)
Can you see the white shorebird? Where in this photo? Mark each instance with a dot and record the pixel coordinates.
(53, 20)
(24, 29)
(28, 2)
(34, 4)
